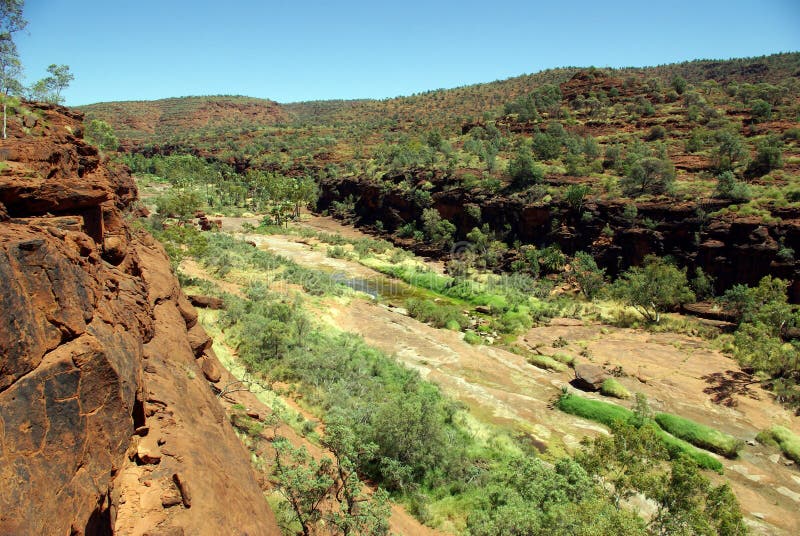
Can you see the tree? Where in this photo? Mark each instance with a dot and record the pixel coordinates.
(769, 156)
(588, 275)
(304, 482)
(523, 170)
(761, 110)
(100, 133)
(730, 188)
(653, 288)
(10, 71)
(649, 175)
(49, 89)
(437, 229)
(729, 151)
(11, 22)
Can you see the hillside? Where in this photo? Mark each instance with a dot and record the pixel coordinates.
(139, 122)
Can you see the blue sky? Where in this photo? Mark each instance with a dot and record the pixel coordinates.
(303, 50)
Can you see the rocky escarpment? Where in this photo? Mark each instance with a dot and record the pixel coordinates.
(732, 250)
(107, 421)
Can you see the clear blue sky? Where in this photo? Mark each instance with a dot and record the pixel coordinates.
(302, 50)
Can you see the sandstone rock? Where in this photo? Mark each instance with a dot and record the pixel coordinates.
(188, 312)
(589, 377)
(73, 335)
(206, 302)
(199, 340)
(183, 488)
(210, 369)
(170, 498)
(148, 453)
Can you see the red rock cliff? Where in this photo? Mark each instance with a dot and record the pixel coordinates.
(107, 423)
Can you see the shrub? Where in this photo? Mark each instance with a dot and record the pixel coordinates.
(730, 188)
(787, 441)
(470, 337)
(657, 132)
(546, 362)
(612, 387)
(653, 288)
(523, 170)
(700, 435)
(610, 414)
(649, 175)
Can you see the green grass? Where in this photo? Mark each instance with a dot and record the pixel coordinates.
(613, 388)
(700, 435)
(788, 441)
(546, 362)
(607, 413)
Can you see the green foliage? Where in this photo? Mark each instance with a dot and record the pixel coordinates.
(653, 288)
(769, 156)
(788, 441)
(523, 170)
(49, 89)
(730, 188)
(311, 487)
(613, 388)
(101, 134)
(613, 415)
(546, 362)
(649, 175)
(546, 146)
(730, 150)
(761, 110)
(590, 278)
(700, 435)
(181, 204)
(531, 498)
(437, 315)
(702, 284)
(437, 229)
(575, 195)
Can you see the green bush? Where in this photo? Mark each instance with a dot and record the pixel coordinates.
(700, 435)
(612, 387)
(470, 337)
(607, 414)
(788, 441)
(437, 315)
(546, 362)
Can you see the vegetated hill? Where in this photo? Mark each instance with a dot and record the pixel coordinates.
(152, 121)
(698, 160)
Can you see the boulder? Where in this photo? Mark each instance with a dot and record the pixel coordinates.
(589, 377)
(210, 369)
(206, 302)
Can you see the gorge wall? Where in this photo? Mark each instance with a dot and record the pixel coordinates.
(732, 250)
(107, 422)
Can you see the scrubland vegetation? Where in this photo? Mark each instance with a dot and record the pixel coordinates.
(598, 154)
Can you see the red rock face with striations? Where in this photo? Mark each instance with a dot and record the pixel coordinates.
(107, 422)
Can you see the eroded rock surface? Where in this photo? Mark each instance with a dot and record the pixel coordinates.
(103, 402)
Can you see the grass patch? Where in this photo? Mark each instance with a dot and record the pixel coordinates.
(786, 440)
(613, 388)
(700, 435)
(607, 413)
(546, 362)
(470, 337)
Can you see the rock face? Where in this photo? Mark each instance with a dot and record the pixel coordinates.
(732, 250)
(95, 344)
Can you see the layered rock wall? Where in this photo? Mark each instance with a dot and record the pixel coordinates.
(105, 414)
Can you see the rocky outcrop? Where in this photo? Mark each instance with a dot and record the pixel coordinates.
(732, 250)
(103, 400)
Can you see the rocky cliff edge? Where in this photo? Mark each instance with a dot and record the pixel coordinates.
(107, 423)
